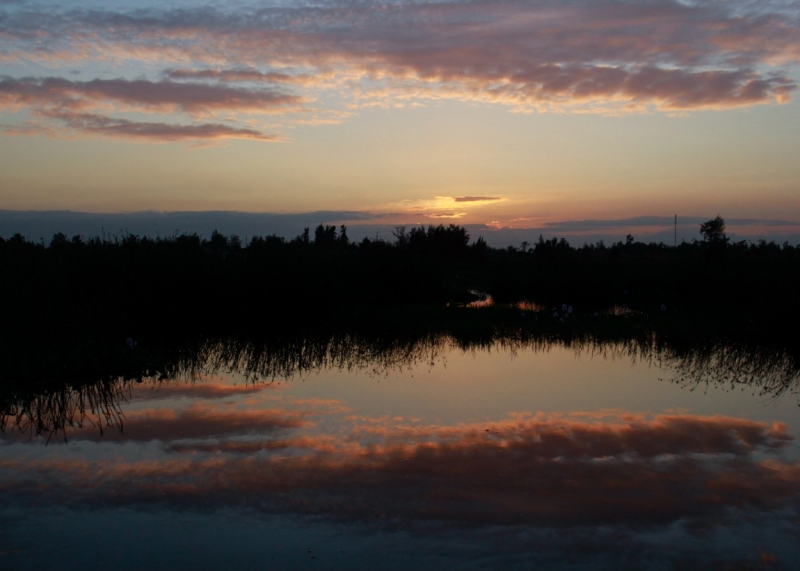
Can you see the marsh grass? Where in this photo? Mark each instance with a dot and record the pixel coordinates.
(78, 385)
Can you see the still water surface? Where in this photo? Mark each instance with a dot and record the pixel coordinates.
(544, 458)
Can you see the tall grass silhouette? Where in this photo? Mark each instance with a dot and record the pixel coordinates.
(55, 396)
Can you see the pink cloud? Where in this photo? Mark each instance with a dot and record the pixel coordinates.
(476, 198)
(69, 102)
(666, 54)
(199, 421)
(204, 421)
(446, 215)
(101, 125)
(162, 96)
(604, 56)
(237, 75)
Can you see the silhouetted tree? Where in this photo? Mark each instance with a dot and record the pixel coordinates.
(400, 236)
(325, 235)
(713, 231)
(218, 242)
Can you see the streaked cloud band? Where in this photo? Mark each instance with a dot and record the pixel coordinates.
(609, 56)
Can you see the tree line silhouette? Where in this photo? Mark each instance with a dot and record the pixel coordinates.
(129, 286)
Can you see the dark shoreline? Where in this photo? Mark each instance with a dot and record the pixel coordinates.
(120, 287)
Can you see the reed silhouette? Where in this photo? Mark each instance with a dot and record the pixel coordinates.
(52, 392)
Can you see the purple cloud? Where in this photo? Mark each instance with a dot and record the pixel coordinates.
(62, 100)
(476, 198)
(122, 128)
(602, 56)
(167, 95)
(665, 53)
(236, 75)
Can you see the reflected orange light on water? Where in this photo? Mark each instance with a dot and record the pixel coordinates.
(554, 469)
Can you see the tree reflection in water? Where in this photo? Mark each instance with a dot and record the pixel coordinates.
(73, 397)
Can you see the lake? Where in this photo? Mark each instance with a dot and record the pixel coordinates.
(431, 454)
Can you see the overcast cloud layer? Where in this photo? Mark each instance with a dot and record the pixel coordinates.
(211, 72)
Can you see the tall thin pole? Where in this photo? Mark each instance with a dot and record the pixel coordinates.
(676, 230)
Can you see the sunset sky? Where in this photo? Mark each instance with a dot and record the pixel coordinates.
(516, 114)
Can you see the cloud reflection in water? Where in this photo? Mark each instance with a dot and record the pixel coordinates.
(611, 468)
(599, 489)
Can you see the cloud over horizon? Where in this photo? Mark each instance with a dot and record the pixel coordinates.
(37, 225)
(67, 102)
(476, 198)
(161, 96)
(609, 56)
